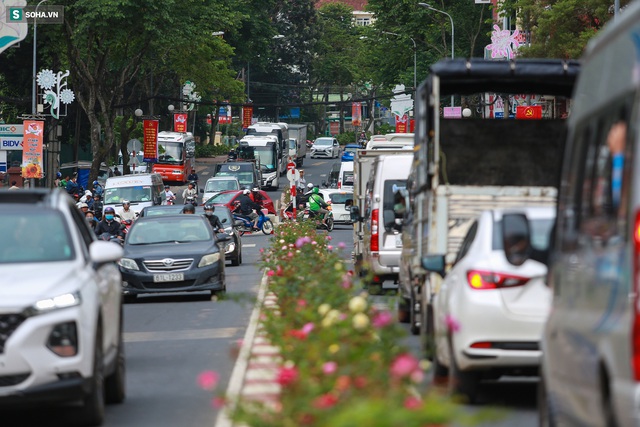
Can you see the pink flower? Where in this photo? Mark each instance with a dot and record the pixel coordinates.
(404, 365)
(382, 319)
(329, 247)
(271, 273)
(302, 241)
(287, 375)
(208, 380)
(412, 402)
(452, 324)
(290, 254)
(329, 238)
(342, 245)
(307, 328)
(329, 367)
(261, 250)
(325, 401)
(302, 303)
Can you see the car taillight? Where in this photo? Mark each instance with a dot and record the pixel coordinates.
(481, 344)
(339, 184)
(375, 246)
(482, 280)
(635, 337)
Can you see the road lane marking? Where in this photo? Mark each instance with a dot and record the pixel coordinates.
(188, 334)
(248, 245)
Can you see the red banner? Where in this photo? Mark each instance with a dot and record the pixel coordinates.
(32, 149)
(401, 124)
(180, 122)
(247, 116)
(150, 142)
(529, 112)
(356, 114)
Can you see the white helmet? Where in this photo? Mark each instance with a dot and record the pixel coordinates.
(309, 186)
(246, 191)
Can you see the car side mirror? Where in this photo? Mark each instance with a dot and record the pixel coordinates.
(516, 238)
(223, 220)
(355, 214)
(434, 264)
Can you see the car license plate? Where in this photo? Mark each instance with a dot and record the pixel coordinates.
(168, 277)
(398, 240)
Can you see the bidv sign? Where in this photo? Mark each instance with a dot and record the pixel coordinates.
(11, 137)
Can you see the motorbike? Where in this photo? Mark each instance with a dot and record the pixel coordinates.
(111, 238)
(192, 200)
(245, 225)
(327, 225)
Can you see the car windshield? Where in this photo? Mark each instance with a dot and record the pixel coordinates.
(540, 234)
(169, 210)
(222, 198)
(350, 150)
(168, 230)
(323, 142)
(35, 236)
(140, 193)
(347, 178)
(170, 153)
(220, 185)
(340, 198)
(267, 158)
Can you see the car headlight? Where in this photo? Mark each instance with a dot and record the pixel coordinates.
(128, 264)
(209, 259)
(55, 303)
(230, 248)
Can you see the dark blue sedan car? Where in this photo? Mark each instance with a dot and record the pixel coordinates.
(349, 152)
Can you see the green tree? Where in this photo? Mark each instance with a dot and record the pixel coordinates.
(107, 43)
(561, 28)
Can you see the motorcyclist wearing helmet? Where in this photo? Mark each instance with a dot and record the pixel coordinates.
(249, 208)
(169, 197)
(317, 204)
(189, 209)
(190, 191)
(216, 225)
(56, 183)
(97, 188)
(256, 196)
(109, 224)
(193, 177)
(127, 213)
(97, 206)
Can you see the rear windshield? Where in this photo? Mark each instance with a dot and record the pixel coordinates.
(347, 178)
(340, 198)
(540, 234)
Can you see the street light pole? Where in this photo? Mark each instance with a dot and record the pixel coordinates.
(428, 6)
(35, 40)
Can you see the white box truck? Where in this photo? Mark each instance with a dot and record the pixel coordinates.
(298, 143)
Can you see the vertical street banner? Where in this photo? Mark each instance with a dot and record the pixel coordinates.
(401, 123)
(150, 141)
(180, 122)
(32, 149)
(356, 114)
(247, 116)
(225, 115)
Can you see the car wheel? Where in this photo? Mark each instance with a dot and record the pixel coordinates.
(267, 227)
(115, 384)
(464, 383)
(92, 410)
(236, 261)
(545, 414)
(403, 310)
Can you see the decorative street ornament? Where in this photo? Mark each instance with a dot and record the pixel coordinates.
(11, 30)
(55, 90)
(401, 103)
(504, 44)
(188, 91)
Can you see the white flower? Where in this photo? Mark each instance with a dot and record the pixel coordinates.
(46, 79)
(358, 304)
(67, 96)
(360, 321)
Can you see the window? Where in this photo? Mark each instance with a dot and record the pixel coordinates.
(466, 243)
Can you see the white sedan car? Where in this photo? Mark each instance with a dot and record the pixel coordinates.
(325, 147)
(340, 200)
(490, 311)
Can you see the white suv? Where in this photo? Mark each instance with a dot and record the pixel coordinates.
(60, 307)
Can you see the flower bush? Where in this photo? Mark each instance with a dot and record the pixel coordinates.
(343, 361)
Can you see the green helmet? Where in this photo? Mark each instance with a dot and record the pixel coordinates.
(316, 190)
